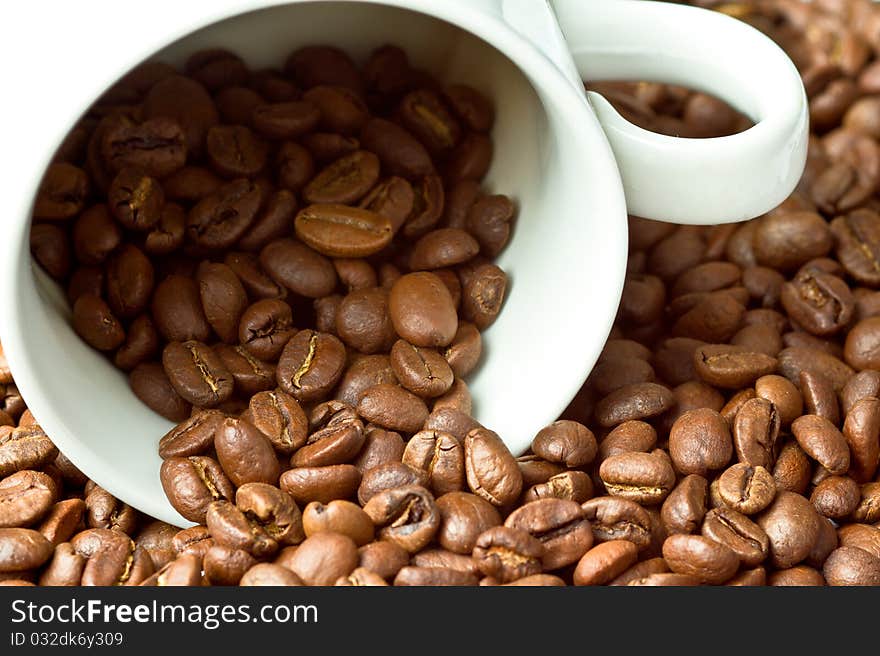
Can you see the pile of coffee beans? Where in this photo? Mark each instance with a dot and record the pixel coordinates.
(309, 324)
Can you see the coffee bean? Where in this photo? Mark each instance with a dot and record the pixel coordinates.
(645, 478)
(746, 489)
(858, 245)
(136, 199)
(25, 447)
(823, 442)
(441, 456)
(363, 322)
(631, 402)
(422, 310)
(62, 193)
(738, 533)
(220, 219)
(571, 485)
(383, 558)
(192, 483)
(234, 151)
(310, 365)
(265, 328)
(95, 235)
(700, 557)
(322, 484)
(112, 558)
(508, 554)
(62, 520)
(230, 528)
(336, 442)
(141, 344)
(731, 366)
(400, 153)
(792, 526)
(464, 517)
(684, 508)
(192, 436)
(150, 384)
(868, 509)
(559, 526)
(249, 375)
(158, 146)
(616, 518)
(852, 566)
(820, 302)
(177, 310)
(387, 476)
(25, 497)
(223, 299)
(94, 321)
(700, 442)
(836, 497)
(244, 453)
(361, 577)
(483, 295)
(197, 373)
(338, 516)
(405, 515)
(298, 268)
(103, 510)
(605, 562)
(491, 470)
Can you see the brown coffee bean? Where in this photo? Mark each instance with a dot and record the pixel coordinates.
(605, 562)
(322, 484)
(361, 577)
(637, 401)
(862, 536)
(731, 366)
(280, 418)
(158, 146)
(424, 114)
(244, 453)
(422, 310)
(392, 198)
(572, 486)
(94, 321)
(231, 528)
(483, 295)
(338, 516)
(141, 344)
(24, 549)
(400, 153)
(862, 385)
(422, 371)
(95, 235)
(129, 281)
(393, 407)
(836, 497)
(62, 193)
(792, 470)
(645, 478)
(387, 476)
(225, 565)
(820, 302)
(491, 470)
(714, 318)
(792, 525)
(784, 396)
(335, 442)
(868, 510)
(738, 533)
(363, 321)
(746, 489)
(25, 497)
(25, 447)
(249, 375)
(103, 510)
(51, 249)
(463, 518)
(699, 441)
(559, 526)
(858, 245)
(614, 518)
(192, 483)
(628, 436)
(310, 365)
(851, 566)
(62, 520)
(441, 456)
(508, 554)
(786, 241)
(700, 557)
(177, 310)
(383, 558)
(197, 373)
(219, 220)
(223, 299)
(405, 515)
(270, 574)
(150, 384)
(433, 576)
(861, 430)
(299, 268)
(823, 442)
(684, 508)
(265, 328)
(755, 430)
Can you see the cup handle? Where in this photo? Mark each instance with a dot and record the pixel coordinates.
(714, 180)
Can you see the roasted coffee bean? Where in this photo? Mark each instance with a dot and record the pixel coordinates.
(230, 528)
(537, 470)
(335, 443)
(249, 375)
(861, 430)
(433, 576)
(361, 577)
(234, 151)
(482, 295)
(792, 525)
(298, 268)
(616, 518)
(491, 470)
(51, 249)
(746, 489)
(862, 536)
(755, 431)
(223, 299)
(464, 517)
(280, 418)
(868, 509)
(150, 384)
(387, 476)
(700, 557)
(559, 526)
(858, 245)
(441, 456)
(220, 219)
(25, 497)
(836, 497)
(605, 562)
(177, 310)
(405, 515)
(738, 533)
(94, 321)
(322, 484)
(400, 153)
(103, 510)
(851, 566)
(62, 520)
(363, 321)
(112, 558)
(95, 235)
(628, 436)
(571, 485)
(158, 146)
(24, 549)
(784, 396)
(310, 365)
(823, 442)
(141, 344)
(338, 516)
(715, 317)
(699, 442)
(820, 302)
(244, 453)
(731, 366)
(637, 401)
(422, 310)
(25, 447)
(508, 554)
(225, 565)
(136, 199)
(383, 558)
(63, 192)
(786, 241)
(197, 373)
(862, 385)
(684, 508)
(192, 436)
(265, 328)
(192, 483)
(646, 478)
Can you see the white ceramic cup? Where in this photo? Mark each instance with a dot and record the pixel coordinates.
(567, 258)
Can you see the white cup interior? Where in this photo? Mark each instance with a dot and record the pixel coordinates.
(565, 262)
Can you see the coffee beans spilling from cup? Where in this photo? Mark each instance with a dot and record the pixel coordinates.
(296, 266)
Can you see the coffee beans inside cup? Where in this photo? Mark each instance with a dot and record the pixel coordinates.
(295, 266)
